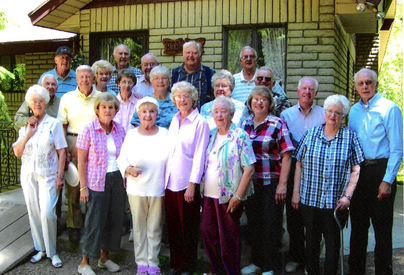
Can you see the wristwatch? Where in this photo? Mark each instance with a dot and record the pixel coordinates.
(348, 197)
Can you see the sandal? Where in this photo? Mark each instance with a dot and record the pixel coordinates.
(142, 270)
(154, 270)
(56, 262)
(38, 257)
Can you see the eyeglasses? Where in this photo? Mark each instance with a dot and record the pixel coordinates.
(219, 86)
(267, 78)
(367, 82)
(252, 57)
(329, 112)
(262, 100)
(149, 64)
(183, 97)
(160, 78)
(127, 83)
(39, 102)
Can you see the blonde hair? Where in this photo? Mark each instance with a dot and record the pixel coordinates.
(106, 98)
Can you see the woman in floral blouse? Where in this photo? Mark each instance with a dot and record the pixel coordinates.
(228, 172)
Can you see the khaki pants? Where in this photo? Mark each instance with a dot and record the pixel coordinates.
(74, 216)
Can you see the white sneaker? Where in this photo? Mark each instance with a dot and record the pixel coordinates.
(268, 273)
(250, 269)
(291, 267)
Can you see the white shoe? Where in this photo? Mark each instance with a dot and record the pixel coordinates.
(87, 270)
(291, 267)
(250, 269)
(268, 273)
(131, 236)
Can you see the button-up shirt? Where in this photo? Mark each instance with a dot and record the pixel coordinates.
(270, 140)
(126, 111)
(188, 141)
(112, 82)
(67, 84)
(24, 112)
(243, 87)
(76, 110)
(233, 155)
(379, 125)
(40, 152)
(142, 86)
(93, 138)
(298, 122)
(200, 79)
(240, 113)
(327, 165)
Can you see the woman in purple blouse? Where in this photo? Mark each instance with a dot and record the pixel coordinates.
(188, 138)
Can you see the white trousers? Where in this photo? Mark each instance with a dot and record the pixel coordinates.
(147, 215)
(41, 197)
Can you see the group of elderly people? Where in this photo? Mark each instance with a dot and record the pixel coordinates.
(169, 156)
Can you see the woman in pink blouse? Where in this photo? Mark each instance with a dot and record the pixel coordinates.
(101, 185)
(188, 138)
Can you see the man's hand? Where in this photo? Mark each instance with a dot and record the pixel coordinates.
(384, 190)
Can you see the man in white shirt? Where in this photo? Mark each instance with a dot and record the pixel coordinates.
(143, 85)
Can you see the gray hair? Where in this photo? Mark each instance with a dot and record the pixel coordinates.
(230, 104)
(308, 78)
(224, 74)
(160, 70)
(48, 75)
(152, 55)
(193, 43)
(37, 90)
(337, 100)
(372, 73)
(267, 68)
(85, 68)
(102, 64)
(120, 46)
(245, 48)
(262, 91)
(184, 86)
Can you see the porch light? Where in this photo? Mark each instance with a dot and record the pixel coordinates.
(361, 7)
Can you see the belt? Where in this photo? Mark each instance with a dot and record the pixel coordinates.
(374, 161)
(71, 134)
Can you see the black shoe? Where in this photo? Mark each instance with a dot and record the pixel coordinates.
(60, 228)
(74, 235)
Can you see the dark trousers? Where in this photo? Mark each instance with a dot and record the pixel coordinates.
(183, 220)
(365, 207)
(220, 227)
(294, 222)
(264, 220)
(103, 224)
(320, 222)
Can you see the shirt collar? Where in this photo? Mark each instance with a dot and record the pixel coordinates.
(191, 117)
(132, 99)
(371, 101)
(242, 76)
(80, 94)
(97, 125)
(301, 109)
(182, 69)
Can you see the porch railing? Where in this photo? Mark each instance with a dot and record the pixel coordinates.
(9, 163)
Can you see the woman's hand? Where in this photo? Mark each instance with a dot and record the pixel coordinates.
(59, 183)
(84, 195)
(233, 204)
(280, 195)
(296, 201)
(132, 171)
(342, 204)
(190, 193)
(31, 129)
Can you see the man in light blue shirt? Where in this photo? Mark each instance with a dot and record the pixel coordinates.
(65, 76)
(299, 118)
(379, 125)
(143, 85)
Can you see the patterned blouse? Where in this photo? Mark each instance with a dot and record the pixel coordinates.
(233, 155)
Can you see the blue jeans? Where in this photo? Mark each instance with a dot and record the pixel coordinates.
(104, 218)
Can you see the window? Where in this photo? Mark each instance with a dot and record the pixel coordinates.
(102, 46)
(270, 43)
(14, 63)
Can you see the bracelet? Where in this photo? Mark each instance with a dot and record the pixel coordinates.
(347, 196)
(61, 177)
(237, 197)
(84, 188)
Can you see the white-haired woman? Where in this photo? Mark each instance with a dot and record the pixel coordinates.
(98, 146)
(103, 73)
(160, 79)
(142, 162)
(223, 84)
(41, 147)
(229, 168)
(188, 139)
(327, 170)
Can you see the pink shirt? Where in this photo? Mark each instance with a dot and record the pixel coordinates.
(126, 110)
(188, 142)
(93, 139)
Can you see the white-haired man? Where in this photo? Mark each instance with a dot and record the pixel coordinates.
(143, 85)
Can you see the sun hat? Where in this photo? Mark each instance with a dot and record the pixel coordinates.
(146, 99)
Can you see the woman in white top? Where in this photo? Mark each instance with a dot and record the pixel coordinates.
(142, 161)
(41, 145)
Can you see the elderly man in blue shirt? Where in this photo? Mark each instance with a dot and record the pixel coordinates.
(379, 124)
